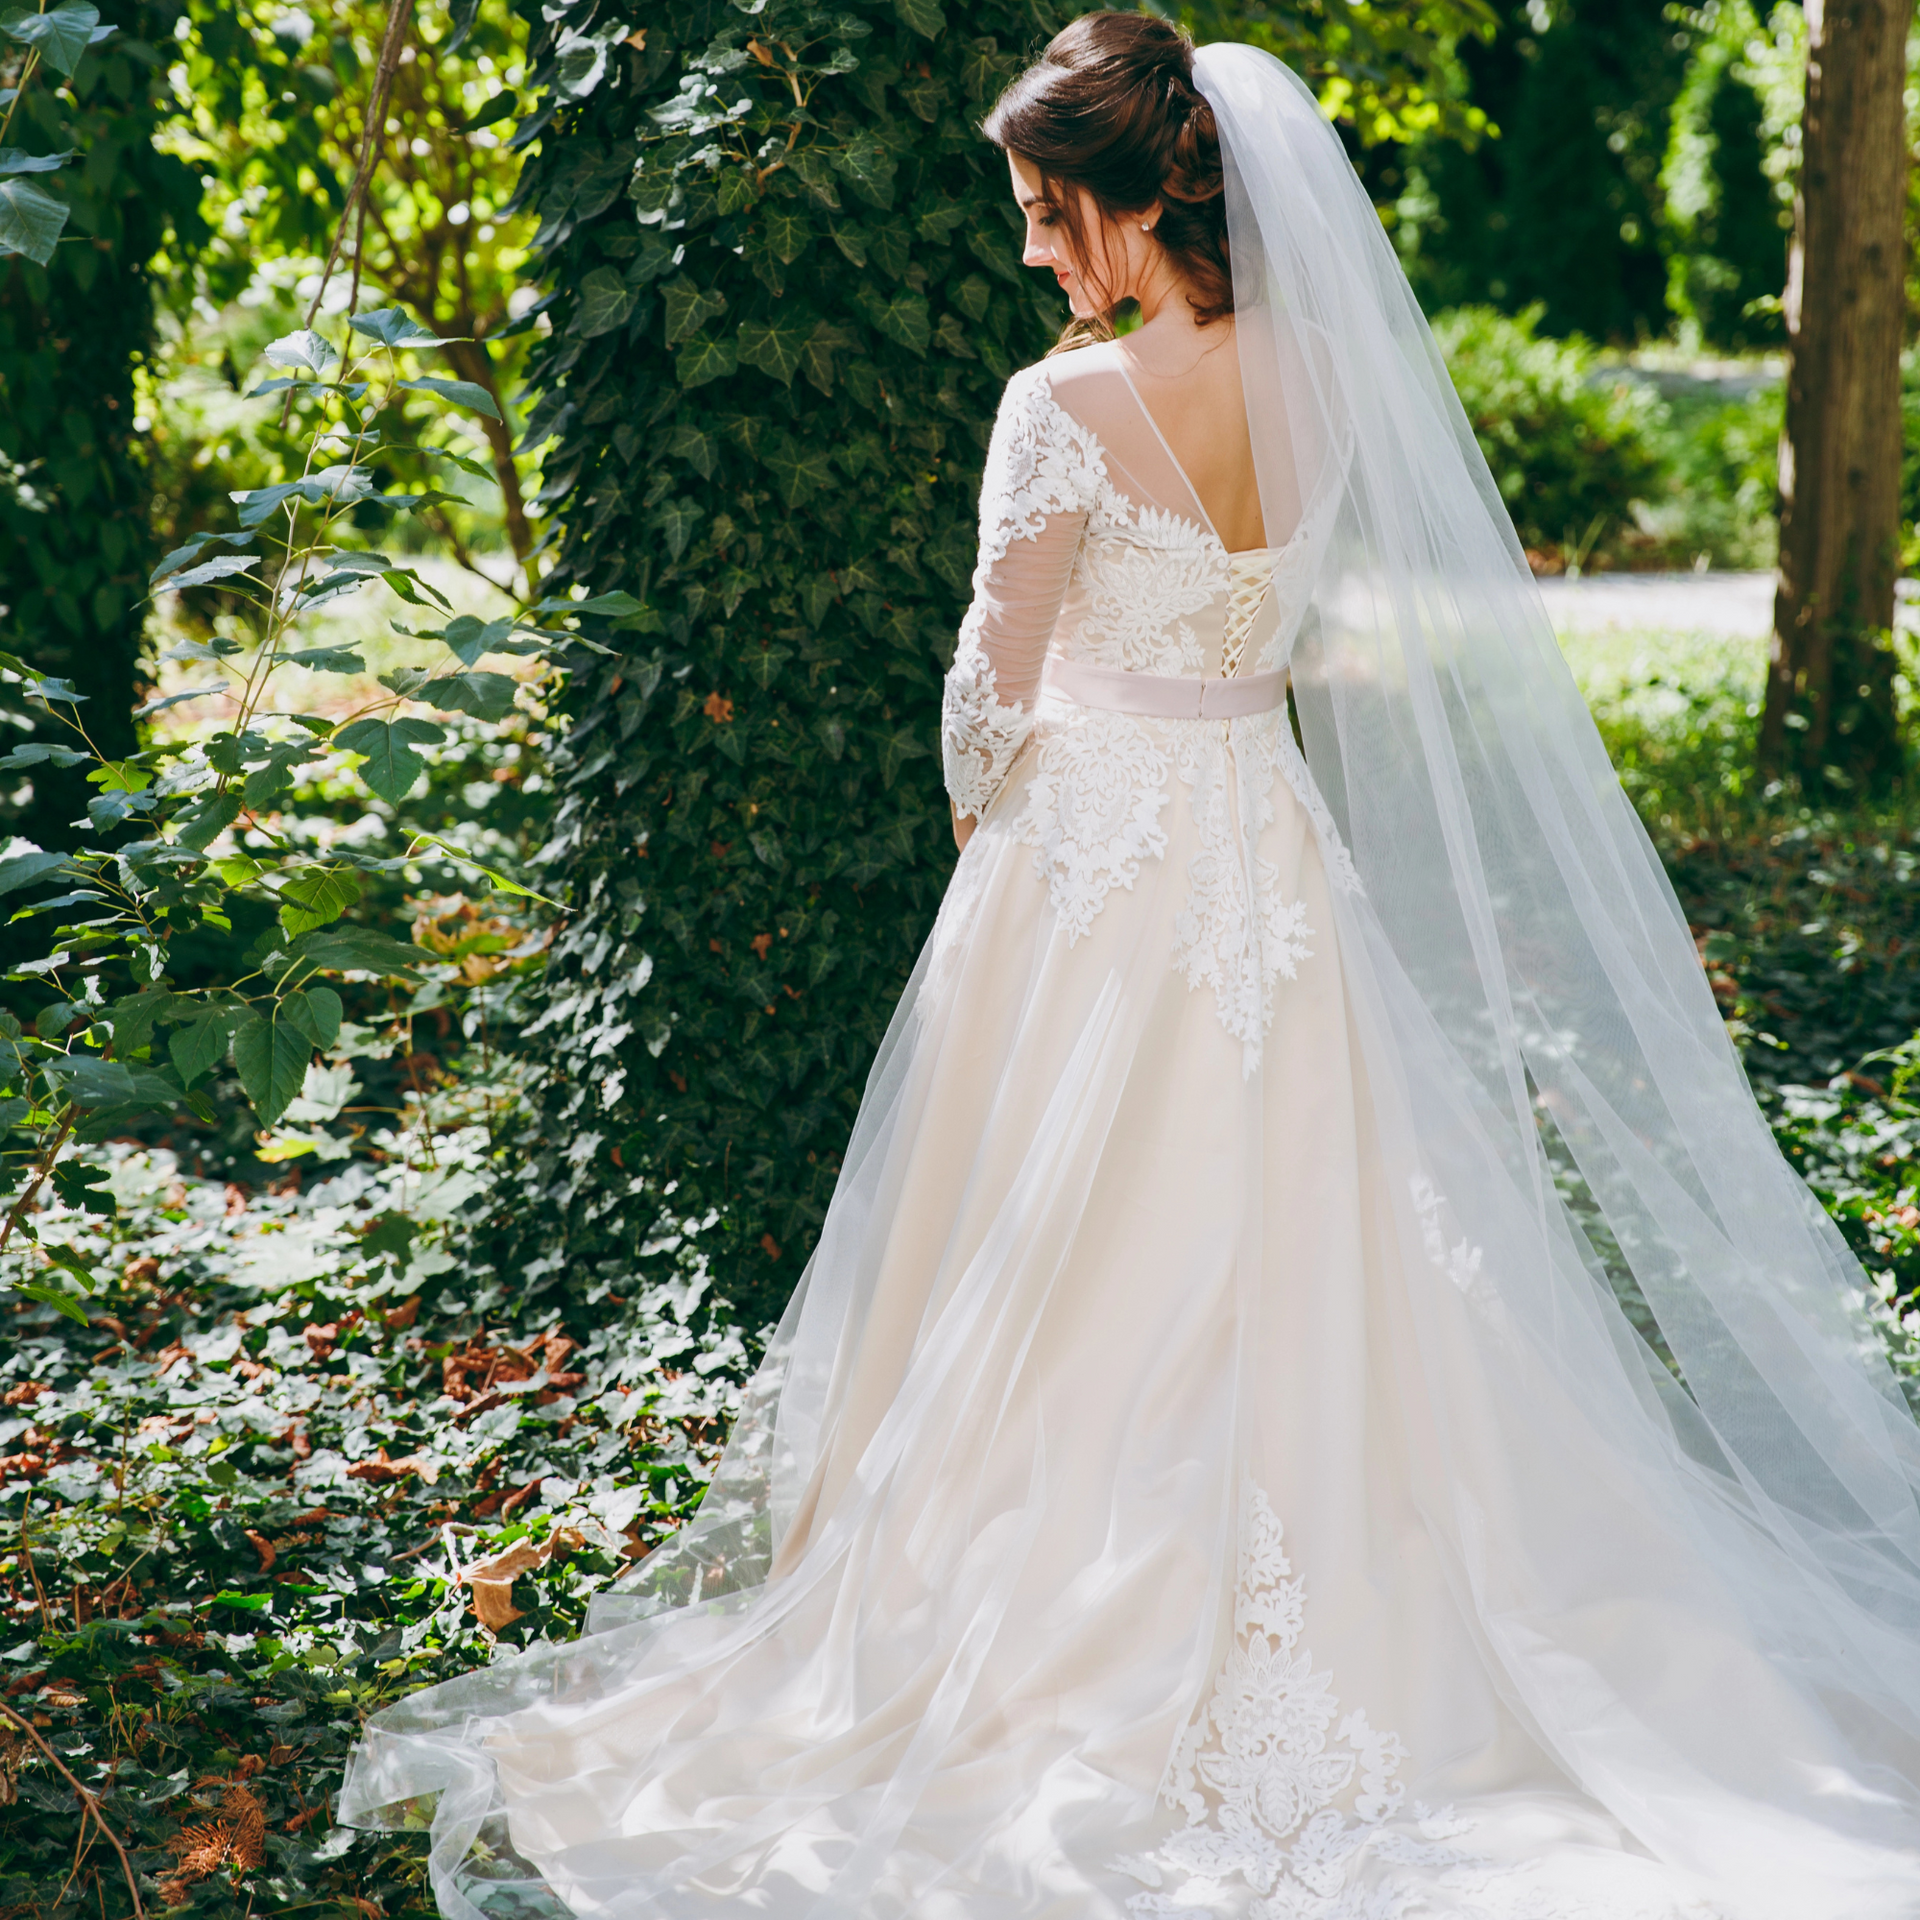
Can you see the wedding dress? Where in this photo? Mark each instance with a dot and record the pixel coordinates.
(1207, 1469)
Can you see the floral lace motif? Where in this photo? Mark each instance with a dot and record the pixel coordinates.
(1260, 1767)
(1093, 812)
(1236, 933)
(1041, 462)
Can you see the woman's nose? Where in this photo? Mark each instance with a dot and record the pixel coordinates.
(1038, 253)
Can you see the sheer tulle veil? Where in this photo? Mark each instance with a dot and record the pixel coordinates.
(1628, 1524)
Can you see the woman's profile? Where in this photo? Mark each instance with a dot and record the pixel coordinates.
(1207, 1468)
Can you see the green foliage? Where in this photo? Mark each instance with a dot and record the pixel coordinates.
(303, 1441)
(192, 849)
(76, 318)
(780, 333)
(1569, 455)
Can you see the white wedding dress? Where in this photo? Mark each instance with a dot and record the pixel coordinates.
(1197, 1475)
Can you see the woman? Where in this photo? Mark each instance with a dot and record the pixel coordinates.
(1207, 1469)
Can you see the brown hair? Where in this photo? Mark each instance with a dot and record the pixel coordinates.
(1111, 106)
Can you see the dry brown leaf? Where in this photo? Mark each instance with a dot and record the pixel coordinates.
(265, 1548)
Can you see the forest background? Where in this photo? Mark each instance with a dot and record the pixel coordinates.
(485, 499)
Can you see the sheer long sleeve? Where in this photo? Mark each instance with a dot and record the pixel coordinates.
(1042, 468)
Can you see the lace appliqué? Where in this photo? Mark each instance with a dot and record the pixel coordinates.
(980, 738)
(1041, 462)
(1236, 934)
(1093, 812)
(1260, 1767)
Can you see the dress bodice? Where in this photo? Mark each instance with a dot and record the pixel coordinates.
(1089, 555)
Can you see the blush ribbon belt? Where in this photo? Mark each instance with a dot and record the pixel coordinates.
(1163, 696)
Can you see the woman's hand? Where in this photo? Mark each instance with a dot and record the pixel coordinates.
(963, 826)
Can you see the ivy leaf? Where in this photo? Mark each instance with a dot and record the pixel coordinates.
(787, 233)
(316, 895)
(62, 33)
(920, 16)
(703, 359)
(270, 1053)
(605, 301)
(799, 471)
(463, 393)
(904, 318)
(31, 220)
(677, 520)
(391, 766)
(393, 327)
(775, 346)
(461, 16)
(688, 307)
(867, 167)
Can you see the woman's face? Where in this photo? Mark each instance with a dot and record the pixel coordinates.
(1123, 254)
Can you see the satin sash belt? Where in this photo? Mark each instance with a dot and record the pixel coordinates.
(1164, 696)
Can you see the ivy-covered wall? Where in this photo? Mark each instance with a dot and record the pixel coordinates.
(786, 292)
(75, 543)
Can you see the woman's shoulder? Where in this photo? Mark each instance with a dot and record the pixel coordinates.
(1075, 389)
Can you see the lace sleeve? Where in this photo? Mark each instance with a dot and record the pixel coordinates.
(1042, 468)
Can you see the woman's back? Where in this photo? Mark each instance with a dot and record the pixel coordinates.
(1167, 407)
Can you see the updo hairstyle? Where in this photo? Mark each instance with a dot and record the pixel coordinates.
(1111, 106)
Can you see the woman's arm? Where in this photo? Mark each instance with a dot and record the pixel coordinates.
(1040, 474)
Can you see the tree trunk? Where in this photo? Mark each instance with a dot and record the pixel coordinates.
(1830, 703)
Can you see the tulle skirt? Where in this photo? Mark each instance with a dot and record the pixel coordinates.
(1093, 1544)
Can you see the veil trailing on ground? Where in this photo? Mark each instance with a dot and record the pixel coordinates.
(1636, 1526)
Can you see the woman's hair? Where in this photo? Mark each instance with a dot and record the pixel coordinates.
(1111, 106)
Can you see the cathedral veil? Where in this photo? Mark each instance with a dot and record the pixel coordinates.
(1632, 1531)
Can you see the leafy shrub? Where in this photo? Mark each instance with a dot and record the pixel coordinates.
(786, 295)
(1570, 453)
(1718, 494)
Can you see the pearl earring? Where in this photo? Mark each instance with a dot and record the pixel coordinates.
(1144, 228)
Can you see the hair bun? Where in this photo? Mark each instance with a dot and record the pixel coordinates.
(1193, 171)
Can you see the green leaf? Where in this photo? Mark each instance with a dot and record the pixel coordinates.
(199, 825)
(904, 318)
(199, 1045)
(89, 1081)
(392, 766)
(688, 307)
(316, 895)
(226, 567)
(355, 950)
(55, 1297)
(304, 348)
(467, 638)
(868, 167)
(37, 753)
(604, 302)
(62, 33)
(775, 346)
(799, 470)
(788, 233)
(133, 1018)
(409, 586)
(87, 1188)
(31, 220)
(328, 660)
(493, 874)
(270, 1053)
(503, 104)
(487, 696)
(463, 393)
(921, 16)
(703, 359)
(29, 869)
(315, 1013)
(18, 160)
(393, 327)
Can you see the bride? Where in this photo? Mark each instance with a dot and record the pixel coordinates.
(1208, 1468)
